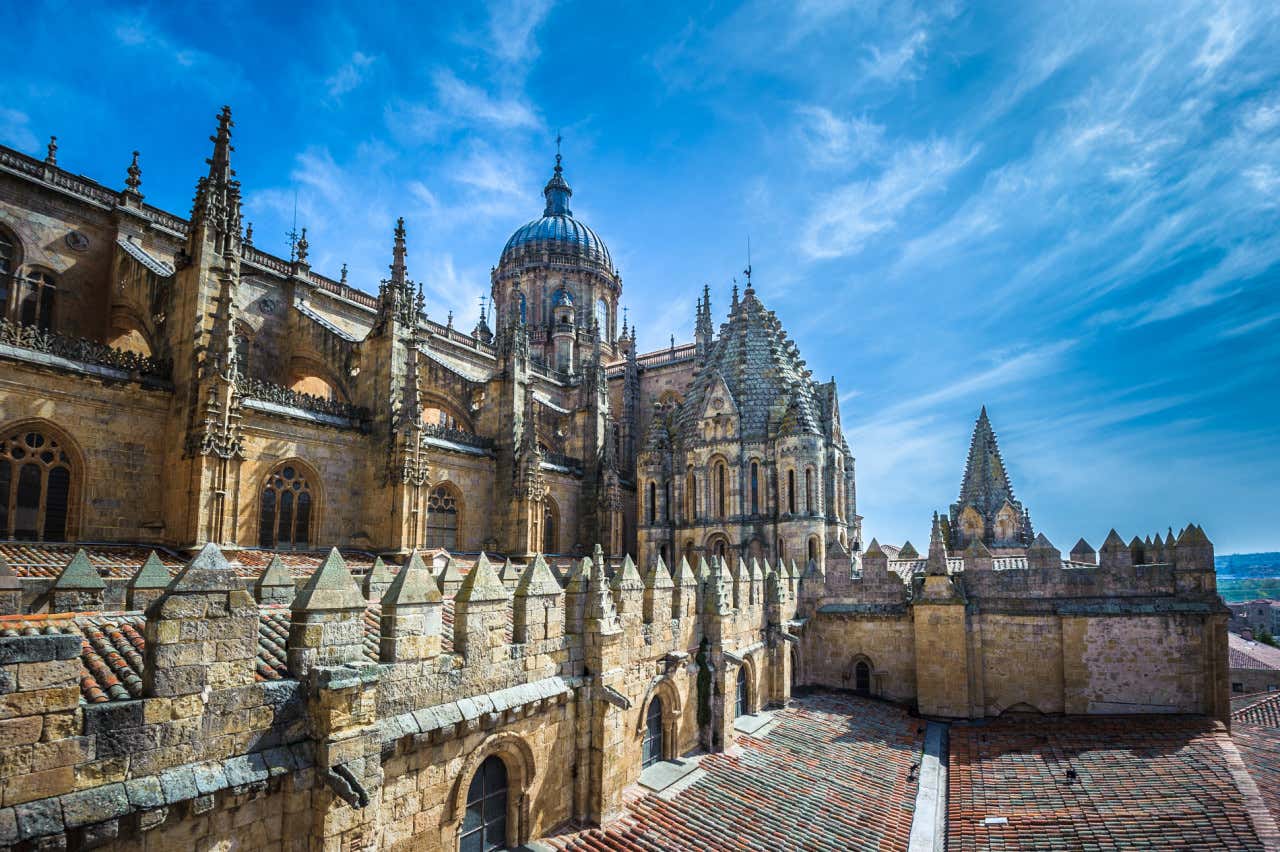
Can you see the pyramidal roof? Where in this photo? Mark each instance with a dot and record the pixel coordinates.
(986, 484)
(761, 368)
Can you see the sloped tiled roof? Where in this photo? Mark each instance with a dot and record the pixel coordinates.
(1247, 654)
(1262, 711)
(835, 773)
(119, 561)
(1140, 782)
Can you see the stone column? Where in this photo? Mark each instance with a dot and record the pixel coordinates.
(327, 624)
(480, 615)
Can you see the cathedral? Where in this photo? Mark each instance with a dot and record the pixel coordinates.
(260, 404)
(285, 564)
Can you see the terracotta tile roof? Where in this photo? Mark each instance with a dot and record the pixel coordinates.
(1141, 782)
(120, 561)
(1263, 710)
(1247, 654)
(250, 564)
(1259, 747)
(836, 773)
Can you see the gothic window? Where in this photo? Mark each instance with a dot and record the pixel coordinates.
(722, 501)
(651, 750)
(653, 496)
(35, 299)
(484, 825)
(550, 527)
(285, 510)
(602, 319)
(524, 309)
(755, 488)
(666, 501)
(808, 490)
(782, 548)
(1005, 524)
(442, 518)
(791, 491)
(691, 497)
(813, 549)
(721, 548)
(743, 707)
(35, 487)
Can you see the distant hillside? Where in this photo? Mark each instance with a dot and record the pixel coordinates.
(1248, 565)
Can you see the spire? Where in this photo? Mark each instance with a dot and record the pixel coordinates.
(398, 268)
(937, 562)
(986, 489)
(134, 179)
(217, 201)
(248, 235)
(51, 153)
(557, 191)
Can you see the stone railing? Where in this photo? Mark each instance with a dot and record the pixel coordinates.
(82, 350)
(281, 395)
(457, 436)
(562, 460)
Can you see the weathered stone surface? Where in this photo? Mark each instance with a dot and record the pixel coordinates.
(95, 805)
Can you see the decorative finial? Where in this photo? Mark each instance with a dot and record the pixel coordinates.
(559, 139)
(624, 320)
(302, 247)
(134, 180)
(735, 292)
(747, 271)
(248, 235)
(51, 158)
(483, 302)
(449, 323)
(420, 302)
(400, 228)
(343, 280)
(673, 342)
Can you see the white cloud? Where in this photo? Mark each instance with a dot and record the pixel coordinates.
(138, 33)
(831, 140)
(349, 75)
(899, 62)
(15, 130)
(845, 220)
(513, 25)
(470, 104)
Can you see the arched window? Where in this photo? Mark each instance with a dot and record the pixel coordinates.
(813, 549)
(791, 491)
(653, 496)
(721, 548)
(666, 501)
(524, 309)
(862, 677)
(35, 299)
(691, 496)
(442, 518)
(484, 826)
(651, 751)
(666, 554)
(755, 488)
(722, 498)
(808, 490)
(743, 707)
(35, 487)
(782, 549)
(285, 512)
(602, 319)
(550, 527)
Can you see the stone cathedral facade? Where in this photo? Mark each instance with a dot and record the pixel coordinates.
(287, 564)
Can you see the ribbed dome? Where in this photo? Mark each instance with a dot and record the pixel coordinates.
(557, 230)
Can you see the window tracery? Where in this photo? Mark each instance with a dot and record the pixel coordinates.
(286, 505)
(35, 487)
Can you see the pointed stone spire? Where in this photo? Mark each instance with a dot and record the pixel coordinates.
(908, 551)
(377, 580)
(1042, 554)
(601, 614)
(627, 577)
(450, 577)
(151, 574)
(399, 269)
(1115, 553)
(217, 201)
(658, 592)
(715, 595)
(275, 585)
(1084, 552)
(329, 588)
(411, 586)
(936, 565)
(977, 557)
(658, 576)
(509, 575)
(537, 579)
(409, 624)
(79, 587)
(482, 583)
(986, 485)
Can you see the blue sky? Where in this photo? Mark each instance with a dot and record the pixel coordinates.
(1069, 212)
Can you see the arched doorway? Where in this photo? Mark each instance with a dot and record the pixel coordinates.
(651, 750)
(862, 677)
(744, 702)
(484, 825)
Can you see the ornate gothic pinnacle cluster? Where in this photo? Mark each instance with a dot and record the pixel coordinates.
(396, 297)
(217, 201)
(530, 480)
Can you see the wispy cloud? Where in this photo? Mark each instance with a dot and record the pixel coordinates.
(513, 25)
(845, 220)
(349, 75)
(898, 62)
(468, 103)
(831, 140)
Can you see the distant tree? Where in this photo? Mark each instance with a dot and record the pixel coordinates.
(1264, 636)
